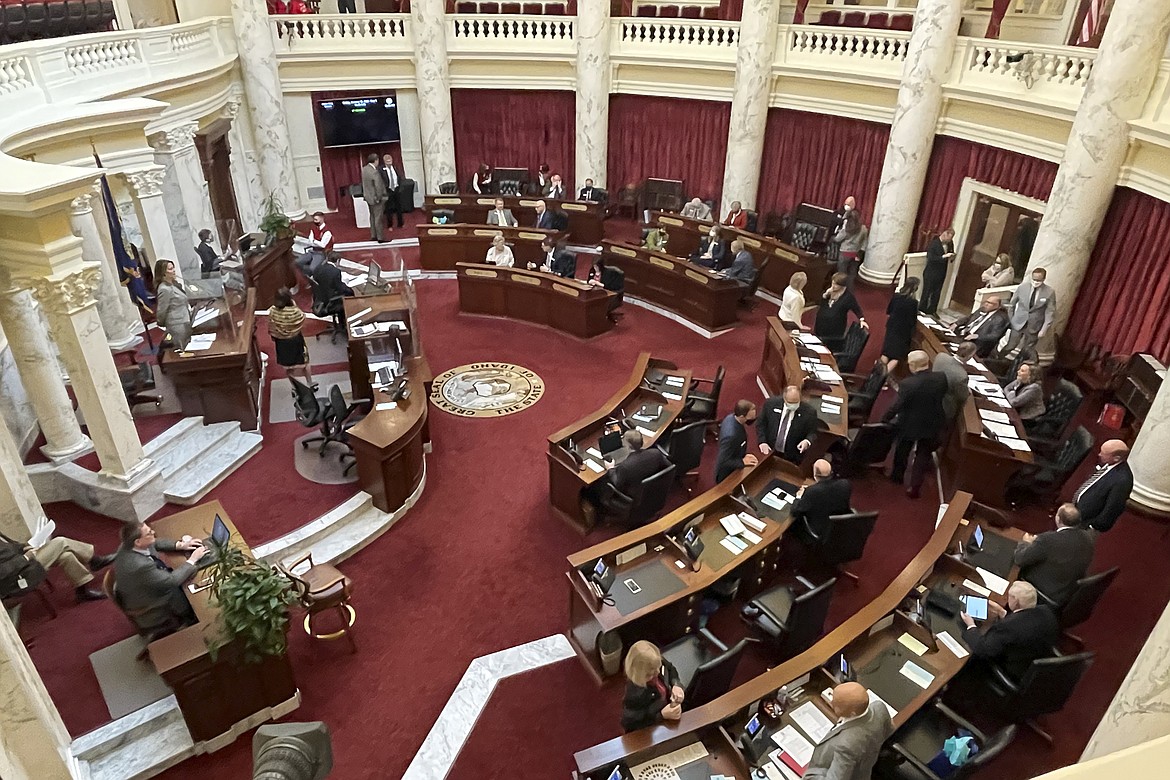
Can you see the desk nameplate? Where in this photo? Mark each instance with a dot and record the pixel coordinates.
(481, 273)
(449, 201)
(442, 232)
(525, 279)
(567, 290)
(658, 261)
(623, 251)
(698, 277)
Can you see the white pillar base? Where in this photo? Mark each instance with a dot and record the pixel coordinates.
(1150, 498)
(133, 497)
(83, 447)
(877, 277)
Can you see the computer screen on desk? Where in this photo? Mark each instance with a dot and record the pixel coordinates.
(375, 274)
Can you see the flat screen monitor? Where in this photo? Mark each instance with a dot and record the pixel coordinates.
(978, 536)
(375, 275)
(753, 726)
(358, 121)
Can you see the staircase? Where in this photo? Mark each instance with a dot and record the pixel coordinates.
(137, 746)
(194, 457)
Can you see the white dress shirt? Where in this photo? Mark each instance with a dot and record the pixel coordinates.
(503, 258)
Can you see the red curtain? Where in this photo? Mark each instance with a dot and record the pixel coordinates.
(998, 11)
(343, 166)
(1125, 294)
(798, 14)
(820, 159)
(513, 129)
(668, 138)
(954, 159)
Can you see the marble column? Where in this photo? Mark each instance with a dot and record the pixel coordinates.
(593, 83)
(266, 105)
(39, 373)
(121, 331)
(749, 103)
(33, 740)
(1123, 73)
(1151, 478)
(146, 188)
(20, 509)
(931, 49)
(73, 322)
(184, 192)
(245, 170)
(433, 79)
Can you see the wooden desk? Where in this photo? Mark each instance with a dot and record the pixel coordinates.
(780, 366)
(970, 461)
(567, 305)
(566, 479)
(685, 234)
(585, 217)
(384, 307)
(270, 269)
(222, 383)
(691, 291)
(664, 610)
(223, 698)
(441, 247)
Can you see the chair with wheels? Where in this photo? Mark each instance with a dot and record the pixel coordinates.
(912, 753)
(448, 188)
(705, 666)
(863, 393)
(312, 412)
(614, 280)
(342, 418)
(137, 380)
(793, 622)
(685, 448)
(321, 588)
(332, 307)
(1044, 689)
(704, 405)
(868, 446)
(1047, 431)
(643, 504)
(851, 348)
(1082, 602)
(149, 633)
(748, 298)
(838, 540)
(1042, 480)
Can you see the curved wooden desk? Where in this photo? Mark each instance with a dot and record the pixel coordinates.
(780, 366)
(568, 305)
(691, 291)
(584, 216)
(685, 234)
(567, 473)
(441, 247)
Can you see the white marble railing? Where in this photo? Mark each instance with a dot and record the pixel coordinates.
(322, 32)
(823, 47)
(105, 55)
(1046, 75)
(486, 31)
(707, 34)
(15, 75)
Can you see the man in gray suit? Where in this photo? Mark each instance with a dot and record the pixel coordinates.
(850, 749)
(374, 193)
(951, 366)
(501, 216)
(148, 590)
(1032, 309)
(743, 268)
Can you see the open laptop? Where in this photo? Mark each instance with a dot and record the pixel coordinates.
(219, 537)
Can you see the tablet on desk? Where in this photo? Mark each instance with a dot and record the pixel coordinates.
(975, 606)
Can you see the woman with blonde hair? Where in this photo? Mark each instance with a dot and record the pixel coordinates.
(172, 310)
(1000, 273)
(500, 253)
(652, 690)
(792, 304)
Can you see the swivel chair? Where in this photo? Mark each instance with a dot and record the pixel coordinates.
(793, 622)
(705, 666)
(643, 503)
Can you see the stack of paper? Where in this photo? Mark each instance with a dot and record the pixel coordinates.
(200, 342)
(874, 697)
(351, 280)
(732, 524)
(916, 674)
(952, 644)
(361, 331)
(993, 581)
(204, 316)
(674, 381)
(1000, 430)
(819, 349)
(993, 416)
(793, 747)
(671, 396)
(777, 499)
(812, 721)
(828, 407)
(807, 339)
(1016, 444)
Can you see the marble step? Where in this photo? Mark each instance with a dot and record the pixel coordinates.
(184, 441)
(137, 746)
(210, 465)
(315, 535)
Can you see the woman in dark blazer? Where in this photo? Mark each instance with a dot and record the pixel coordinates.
(833, 313)
(652, 691)
(902, 315)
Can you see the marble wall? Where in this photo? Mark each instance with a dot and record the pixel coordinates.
(17, 412)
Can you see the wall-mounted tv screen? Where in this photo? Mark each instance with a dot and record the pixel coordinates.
(357, 121)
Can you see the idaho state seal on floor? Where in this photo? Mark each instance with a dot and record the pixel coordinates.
(486, 390)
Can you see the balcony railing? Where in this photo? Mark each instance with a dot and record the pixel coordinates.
(702, 33)
(319, 32)
(517, 36)
(1046, 75)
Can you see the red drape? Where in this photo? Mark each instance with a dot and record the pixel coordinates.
(1125, 294)
(668, 138)
(343, 166)
(954, 159)
(820, 159)
(513, 129)
(998, 11)
(798, 14)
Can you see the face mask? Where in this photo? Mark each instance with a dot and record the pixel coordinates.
(848, 207)
(1036, 284)
(711, 233)
(792, 407)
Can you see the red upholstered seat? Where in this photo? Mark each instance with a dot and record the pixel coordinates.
(690, 12)
(510, 8)
(533, 9)
(489, 8)
(554, 9)
(668, 11)
(711, 12)
(904, 22)
(853, 19)
(830, 18)
(878, 21)
(647, 10)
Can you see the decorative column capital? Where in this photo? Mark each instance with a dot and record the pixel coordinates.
(231, 109)
(146, 183)
(82, 204)
(67, 294)
(175, 139)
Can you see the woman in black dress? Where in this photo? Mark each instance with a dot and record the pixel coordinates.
(285, 320)
(833, 313)
(902, 314)
(652, 690)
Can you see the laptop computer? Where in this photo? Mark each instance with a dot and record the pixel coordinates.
(219, 537)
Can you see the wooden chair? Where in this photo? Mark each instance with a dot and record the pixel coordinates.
(322, 588)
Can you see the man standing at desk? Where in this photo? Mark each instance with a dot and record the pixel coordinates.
(393, 189)
(1101, 498)
(733, 454)
(787, 426)
(850, 749)
(374, 194)
(1032, 310)
(918, 416)
(148, 590)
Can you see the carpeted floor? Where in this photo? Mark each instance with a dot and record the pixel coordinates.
(478, 565)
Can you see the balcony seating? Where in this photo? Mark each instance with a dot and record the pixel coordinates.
(37, 20)
(668, 11)
(711, 12)
(690, 12)
(510, 8)
(647, 10)
(555, 9)
(830, 18)
(853, 19)
(489, 8)
(532, 9)
(903, 22)
(465, 7)
(878, 21)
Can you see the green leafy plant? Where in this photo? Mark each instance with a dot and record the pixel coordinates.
(275, 223)
(253, 600)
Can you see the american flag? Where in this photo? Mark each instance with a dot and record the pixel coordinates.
(1094, 12)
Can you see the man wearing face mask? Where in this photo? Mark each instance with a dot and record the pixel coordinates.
(320, 245)
(712, 251)
(1032, 309)
(733, 454)
(787, 426)
(839, 215)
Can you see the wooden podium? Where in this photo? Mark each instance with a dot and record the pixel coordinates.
(270, 269)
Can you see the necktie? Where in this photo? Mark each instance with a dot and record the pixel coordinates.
(393, 178)
(976, 324)
(1096, 475)
(782, 436)
(158, 562)
(1032, 302)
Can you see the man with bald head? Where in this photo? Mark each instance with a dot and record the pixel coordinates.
(816, 503)
(917, 414)
(786, 425)
(697, 209)
(1101, 499)
(850, 749)
(1023, 633)
(985, 326)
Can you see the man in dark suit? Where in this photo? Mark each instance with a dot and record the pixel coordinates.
(557, 260)
(918, 415)
(1054, 560)
(787, 425)
(985, 326)
(393, 189)
(638, 465)
(1101, 498)
(374, 194)
(939, 254)
(208, 257)
(825, 497)
(555, 189)
(1023, 633)
(544, 217)
(733, 454)
(329, 281)
(850, 749)
(589, 192)
(743, 268)
(149, 590)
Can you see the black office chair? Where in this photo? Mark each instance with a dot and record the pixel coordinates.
(851, 348)
(1047, 431)
(509, 187)
(685, 448)
(794, 622)
(35, 21)
(867, 447)
(915, 747)
(13, 19)
(648, 499)
(1082, 602)
(1044, 479)
(703, 674)
(1022, 356)
(753, 221)
(137, 380)
(312, 412)
(748, 298)
(449, 188)
(863, 393)
(332, 307)
(74, 13)
(600, 196)
(704, 406)
(1045, 688)
(614, 280)
(560, 220)
(838, 540)
(341, 419)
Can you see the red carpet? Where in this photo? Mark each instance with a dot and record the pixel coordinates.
(478, 565)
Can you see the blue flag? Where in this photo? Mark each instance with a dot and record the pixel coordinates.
(126, 255)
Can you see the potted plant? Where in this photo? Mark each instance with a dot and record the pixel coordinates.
(253, 600)
(275, 222)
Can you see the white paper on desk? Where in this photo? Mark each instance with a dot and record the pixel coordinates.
(350, 264)
(756, 525)
(812, 722)
(671, 396)
(644, 431)
(916, 674)
(975, 587)
(808, 339)
(197, 346)
(376, 367)
(794, 744)
(1001, 402)
(994, 416)
(874, 697)
(594, 452)
(203, 316)
(360, 314)
(597, 467)
(362, 330)
(732, 524)
(751, 537)
(44, 531)
(830, 408)
(820, 350)
(726, 542)
(1000, 430)
(952, 644)
(383, 327)
(997, 583)
(351, 279)
(386, 406)
(832, 399)
(1016, 444)
(774, 501)
(677, 381)
(777, 771)
(740, 544)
